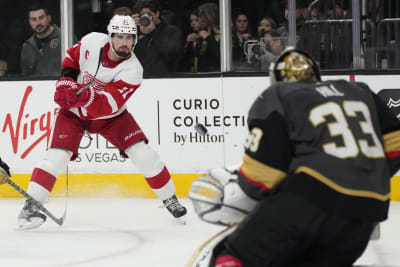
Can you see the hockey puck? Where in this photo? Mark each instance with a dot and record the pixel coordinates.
(201, 129)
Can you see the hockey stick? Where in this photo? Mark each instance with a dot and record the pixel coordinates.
(94, 76)
(59, 221)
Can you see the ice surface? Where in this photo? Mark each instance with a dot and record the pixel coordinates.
(132, 232)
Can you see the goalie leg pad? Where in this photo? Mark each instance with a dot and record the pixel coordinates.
(205, 254)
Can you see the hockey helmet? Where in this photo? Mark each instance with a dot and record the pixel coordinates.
(294, 65)
(122, 24)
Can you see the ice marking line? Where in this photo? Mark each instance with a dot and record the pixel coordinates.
(139, 241)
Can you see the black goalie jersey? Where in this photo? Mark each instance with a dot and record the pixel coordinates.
(330, 142)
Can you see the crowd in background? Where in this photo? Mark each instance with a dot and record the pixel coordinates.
(184, 35)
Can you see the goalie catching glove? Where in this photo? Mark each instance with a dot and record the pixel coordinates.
(217, 198)
(4, 172)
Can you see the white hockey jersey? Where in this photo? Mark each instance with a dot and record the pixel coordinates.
(114, 83)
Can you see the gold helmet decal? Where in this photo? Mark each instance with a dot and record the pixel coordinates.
(294, 66)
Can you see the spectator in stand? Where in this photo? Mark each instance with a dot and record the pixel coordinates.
(301, 12)
(3, 67)
(159, 47)
(266, 24)
(241, 33)
(41, 53)
(3, 61)
(169, 17)
(274, 45)
(336, 10)
(191, 52)
(123, 11)
(209, 58)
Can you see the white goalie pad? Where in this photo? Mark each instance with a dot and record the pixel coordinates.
(217, 198)
(203, 255)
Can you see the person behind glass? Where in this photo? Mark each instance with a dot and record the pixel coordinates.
(265, 24)
(240, 34)
(190, 58)
(41, 53)
(122, 11)
(274, 46)
(3, 61)
(209, 57)
(159, 47)
(115, 73)
(301, 12)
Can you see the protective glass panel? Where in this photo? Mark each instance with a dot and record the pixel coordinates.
(30, 46)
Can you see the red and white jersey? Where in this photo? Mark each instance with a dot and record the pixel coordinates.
(115, 82)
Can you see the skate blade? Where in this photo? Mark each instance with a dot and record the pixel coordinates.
(23, 224)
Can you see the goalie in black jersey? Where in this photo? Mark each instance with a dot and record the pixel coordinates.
(315, 177)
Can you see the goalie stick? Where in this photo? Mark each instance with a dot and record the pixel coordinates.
(59, 221)
(94, 76)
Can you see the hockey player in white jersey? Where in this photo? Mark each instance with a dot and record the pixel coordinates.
(107, 63)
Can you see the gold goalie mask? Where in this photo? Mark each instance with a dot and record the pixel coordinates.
(294, 65)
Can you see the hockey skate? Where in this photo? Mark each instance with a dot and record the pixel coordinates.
(175, 208)
(30, 217)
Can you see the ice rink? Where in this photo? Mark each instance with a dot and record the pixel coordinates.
(133, 232)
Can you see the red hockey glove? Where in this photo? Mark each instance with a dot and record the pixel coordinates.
(59, 98)
(82, 100)
(63, 85)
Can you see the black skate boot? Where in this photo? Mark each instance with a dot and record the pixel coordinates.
(174, 207)
(30, 217)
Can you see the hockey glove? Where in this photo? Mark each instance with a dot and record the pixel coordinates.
(217, 198)
(63, 85)
(82, 100)
(4, 172)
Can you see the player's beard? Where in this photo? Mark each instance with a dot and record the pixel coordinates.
(124, 53)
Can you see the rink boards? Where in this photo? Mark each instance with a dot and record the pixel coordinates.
(166, 109)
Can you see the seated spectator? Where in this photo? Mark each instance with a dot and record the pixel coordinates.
(209, 57)
(301, 12)
(159, 45)
(191, 51)
(336, 10)
(41, 53)
(274, 45)
(240, 34)
(123, 11)
(169, 17)
(3, 67)
(264, 25)
(3, 61)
